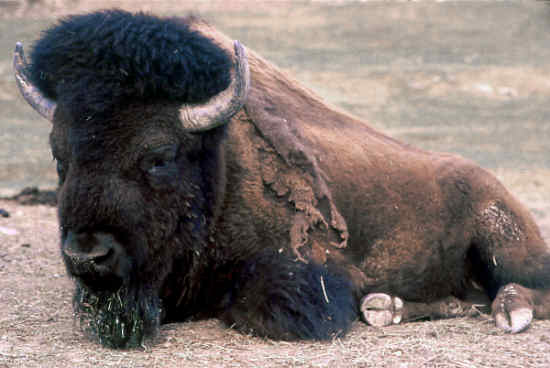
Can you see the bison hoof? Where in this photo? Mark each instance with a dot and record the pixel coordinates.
(511, 309)
(381, 310)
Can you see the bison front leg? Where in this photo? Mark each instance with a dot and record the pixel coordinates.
(277, 297)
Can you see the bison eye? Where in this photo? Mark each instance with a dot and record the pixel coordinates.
(159, 165)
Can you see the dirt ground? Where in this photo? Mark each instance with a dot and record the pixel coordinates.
(471, 78)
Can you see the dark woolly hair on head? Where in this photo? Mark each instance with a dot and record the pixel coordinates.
(109, 57)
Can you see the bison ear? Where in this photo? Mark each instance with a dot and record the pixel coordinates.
(220, 108)
(45, 106)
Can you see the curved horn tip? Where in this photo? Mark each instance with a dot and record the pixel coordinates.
(236, 44)
(241, 64)
(42, 104)
(19, 51)
(239, 48)
(19, 60)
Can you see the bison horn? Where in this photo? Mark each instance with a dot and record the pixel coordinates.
(195, 118)
(35, 98)
(220, 108)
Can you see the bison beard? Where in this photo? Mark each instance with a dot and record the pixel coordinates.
(271, 295)
(120, 319)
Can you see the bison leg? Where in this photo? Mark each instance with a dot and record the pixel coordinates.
(515, 306)
(378, 309)
(511, 260)
(280, 298)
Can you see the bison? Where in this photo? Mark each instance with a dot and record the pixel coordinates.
(198, 180)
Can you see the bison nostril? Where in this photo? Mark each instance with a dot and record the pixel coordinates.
(103, 258)
(85, 249)
(95, 255)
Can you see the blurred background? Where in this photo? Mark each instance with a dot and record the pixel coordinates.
(466, 77)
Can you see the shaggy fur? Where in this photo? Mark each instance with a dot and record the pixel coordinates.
(99, 60)
(290, 300)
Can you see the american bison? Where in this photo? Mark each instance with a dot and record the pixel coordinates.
(198, 180)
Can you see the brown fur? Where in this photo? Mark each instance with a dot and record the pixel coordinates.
(399, 219)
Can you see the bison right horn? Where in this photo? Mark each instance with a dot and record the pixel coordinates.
(43, 105)
(220, 108)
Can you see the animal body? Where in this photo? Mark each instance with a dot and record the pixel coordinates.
(198, 180)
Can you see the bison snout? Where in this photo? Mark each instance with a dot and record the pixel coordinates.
(97, 259)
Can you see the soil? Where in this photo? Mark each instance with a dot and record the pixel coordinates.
(32, 196)
(470, 78)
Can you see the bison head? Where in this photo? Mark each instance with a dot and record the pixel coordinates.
(138, 106)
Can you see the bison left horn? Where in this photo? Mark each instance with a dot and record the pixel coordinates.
(220, 108)
(35, 98)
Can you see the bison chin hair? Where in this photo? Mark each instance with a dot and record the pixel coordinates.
(122, 319)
